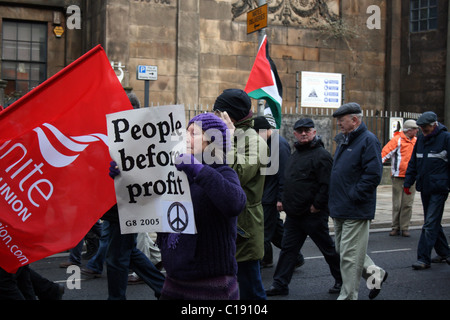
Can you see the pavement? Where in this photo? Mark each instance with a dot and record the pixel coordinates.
(383, 214)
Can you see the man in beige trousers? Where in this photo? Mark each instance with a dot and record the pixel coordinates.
(399, 150)
(356, 173)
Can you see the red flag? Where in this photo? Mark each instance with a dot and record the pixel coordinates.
(54, 160)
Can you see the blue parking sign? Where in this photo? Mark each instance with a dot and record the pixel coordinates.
(147, 72)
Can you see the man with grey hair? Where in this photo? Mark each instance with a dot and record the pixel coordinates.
(399, 150)
(355, 175)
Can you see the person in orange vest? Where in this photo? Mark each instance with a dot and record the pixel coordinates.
(399, 150)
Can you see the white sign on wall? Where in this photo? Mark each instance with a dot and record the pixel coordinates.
(147, 73)
(395, 125)
(321, 90)
(152, 195)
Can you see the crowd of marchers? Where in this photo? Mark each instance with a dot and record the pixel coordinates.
(237, 205)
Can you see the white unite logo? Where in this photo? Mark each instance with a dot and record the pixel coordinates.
(71, 144)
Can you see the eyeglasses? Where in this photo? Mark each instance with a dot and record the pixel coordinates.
(305, 130)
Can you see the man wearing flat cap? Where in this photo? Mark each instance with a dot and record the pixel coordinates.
(234, 107)
(429, 168)
(399, 150)
(349, 108)
(305, 201)
(355, 176)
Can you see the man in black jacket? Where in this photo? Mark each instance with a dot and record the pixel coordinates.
(273, 189)
(429, 167)
(305, 201)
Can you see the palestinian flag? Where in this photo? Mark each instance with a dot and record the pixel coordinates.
(264, 82)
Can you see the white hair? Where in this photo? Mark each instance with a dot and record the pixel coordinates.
(357, 115)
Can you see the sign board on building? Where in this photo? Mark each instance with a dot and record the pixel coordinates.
(257, 19)
(58, 31)
(147, 73)
(321, 90)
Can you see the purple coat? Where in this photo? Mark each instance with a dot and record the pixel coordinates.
(217, 199)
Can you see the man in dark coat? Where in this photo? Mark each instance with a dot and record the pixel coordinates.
(305, 201)
(356, 174)
(429, 167)
(280, 152)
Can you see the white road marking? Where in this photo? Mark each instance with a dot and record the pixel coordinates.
(379, 251)
(393, 250)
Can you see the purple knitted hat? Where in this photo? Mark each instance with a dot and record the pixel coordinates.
(210, 121)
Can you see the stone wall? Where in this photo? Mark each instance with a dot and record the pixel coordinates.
(202, 47)
(423, 57)
(355, 51)
(151, 28)
(323, 125)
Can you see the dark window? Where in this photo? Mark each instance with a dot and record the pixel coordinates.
(24, 55)
(424, 14)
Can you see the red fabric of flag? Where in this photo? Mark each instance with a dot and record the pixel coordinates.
(54, 159)
(261, 74)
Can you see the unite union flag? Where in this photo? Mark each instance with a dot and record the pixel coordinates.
(54, 160)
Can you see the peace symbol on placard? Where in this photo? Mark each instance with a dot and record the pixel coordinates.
(177, 217)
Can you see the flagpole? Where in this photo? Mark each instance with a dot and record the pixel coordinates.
(261, 34)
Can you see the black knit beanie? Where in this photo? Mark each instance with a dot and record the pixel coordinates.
(235, 102)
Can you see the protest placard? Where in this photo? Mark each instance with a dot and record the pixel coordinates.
(152, 195)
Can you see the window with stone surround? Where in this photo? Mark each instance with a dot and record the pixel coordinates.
(424, 14)
(24, 55)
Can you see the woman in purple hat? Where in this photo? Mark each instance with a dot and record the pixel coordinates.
(203, 265)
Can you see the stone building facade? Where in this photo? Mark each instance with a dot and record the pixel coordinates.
(201, 47)
(423, 59)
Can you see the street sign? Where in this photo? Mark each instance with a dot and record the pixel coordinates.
(147, 73)
(58, 31)
(257, 19)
